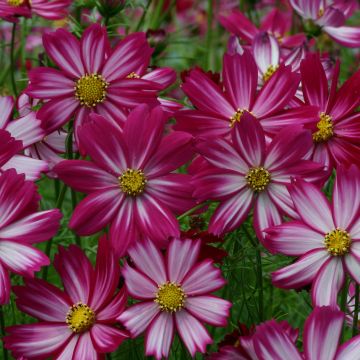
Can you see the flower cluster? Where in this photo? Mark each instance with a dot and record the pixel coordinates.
(178, 196)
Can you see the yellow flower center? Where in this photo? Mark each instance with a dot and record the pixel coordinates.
(90, 89)
(133, 75)
(325, 129)
(269, 72)
(170, 297)
(15, 2)
(258, 178)
(337, 242)
(80, 318)
(132, 182)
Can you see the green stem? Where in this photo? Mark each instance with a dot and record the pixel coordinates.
(356, 312)
(12, 59)
(141, 21)
(343, 299)
(192, 210)
(2, 325)
(209, 34)
(155, 18)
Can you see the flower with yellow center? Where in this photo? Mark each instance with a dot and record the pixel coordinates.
(90, 89)
(337, 242)
(325, 129)
(132, 182)
(80, 318)
(269, 72)
(258, 178)
(170, 297)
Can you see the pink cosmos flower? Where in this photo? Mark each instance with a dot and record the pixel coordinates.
(130, 181)
(52, 10)
(246, 172)
(94, 78)
(218, 110)
(77, 323)
(321, 339)
(337, 127)
(276, 23)
(330, 17)
(174, 293)
(325, 238)
(26, 129)
(21, 225)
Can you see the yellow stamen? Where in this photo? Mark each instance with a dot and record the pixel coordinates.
(258, 178)
(325, 129)
(170, 297)
(80, 318)
(90, 89)
(15, 2)
(132, 182)
(337, 242)
(133, 75)
(269, 72)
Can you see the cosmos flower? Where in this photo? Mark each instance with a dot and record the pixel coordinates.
(246, 172)
(175, 293)
(94, 78)
(21, 225)
(326, 238)
(273, 340)
(218, 110)
(26, 130)
(51, 10)
(77, 323)
(330, 17)
(130, 181)
(336, 129)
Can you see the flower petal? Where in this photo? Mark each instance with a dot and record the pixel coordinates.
(106, 338)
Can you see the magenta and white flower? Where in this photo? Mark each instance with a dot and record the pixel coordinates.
(326, 238)
(174, 293)
(21, 225)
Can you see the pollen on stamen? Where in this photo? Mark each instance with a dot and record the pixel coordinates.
(258, 178)
(325, 129)
(132, 182)
(133, 75)
(269, 72)
(337, 242)
(80, 318)
(15, 2)
(170, 297)
(90, 89)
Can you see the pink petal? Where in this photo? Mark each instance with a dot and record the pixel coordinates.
(162, 76)
(5, 285)
(328, 282)
(202, 279)
(312, 206)
(42, 300)
(84, 348)
(68, 350)
(181, 257)
(209, 309)
(106, 338)
(349, 350)
(96, 211)
(6, 110)
(322, 333)
(76, 273)
(192, 332)
(345, 35)
(352, 264)
(280, 196)
(302, 272)
(8, 147)
(114, 308)
(137, 317)
(159, 336)
(293, 239)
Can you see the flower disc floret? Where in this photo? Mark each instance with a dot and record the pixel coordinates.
(258, 178)
(236, 117)
(325, 129)
(15, 2)
(132, 182)
(90, 89)
(170, 297)
(133, 75)
(80, 318)
(269, 72)
(338, 242)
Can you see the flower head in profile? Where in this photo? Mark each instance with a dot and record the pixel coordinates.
(26, 130)
(21, 225)
(174, 293)
(326, 238)
(246, 173)
(130, 180)
(94, 78)
(79, 322)
(48, 9)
